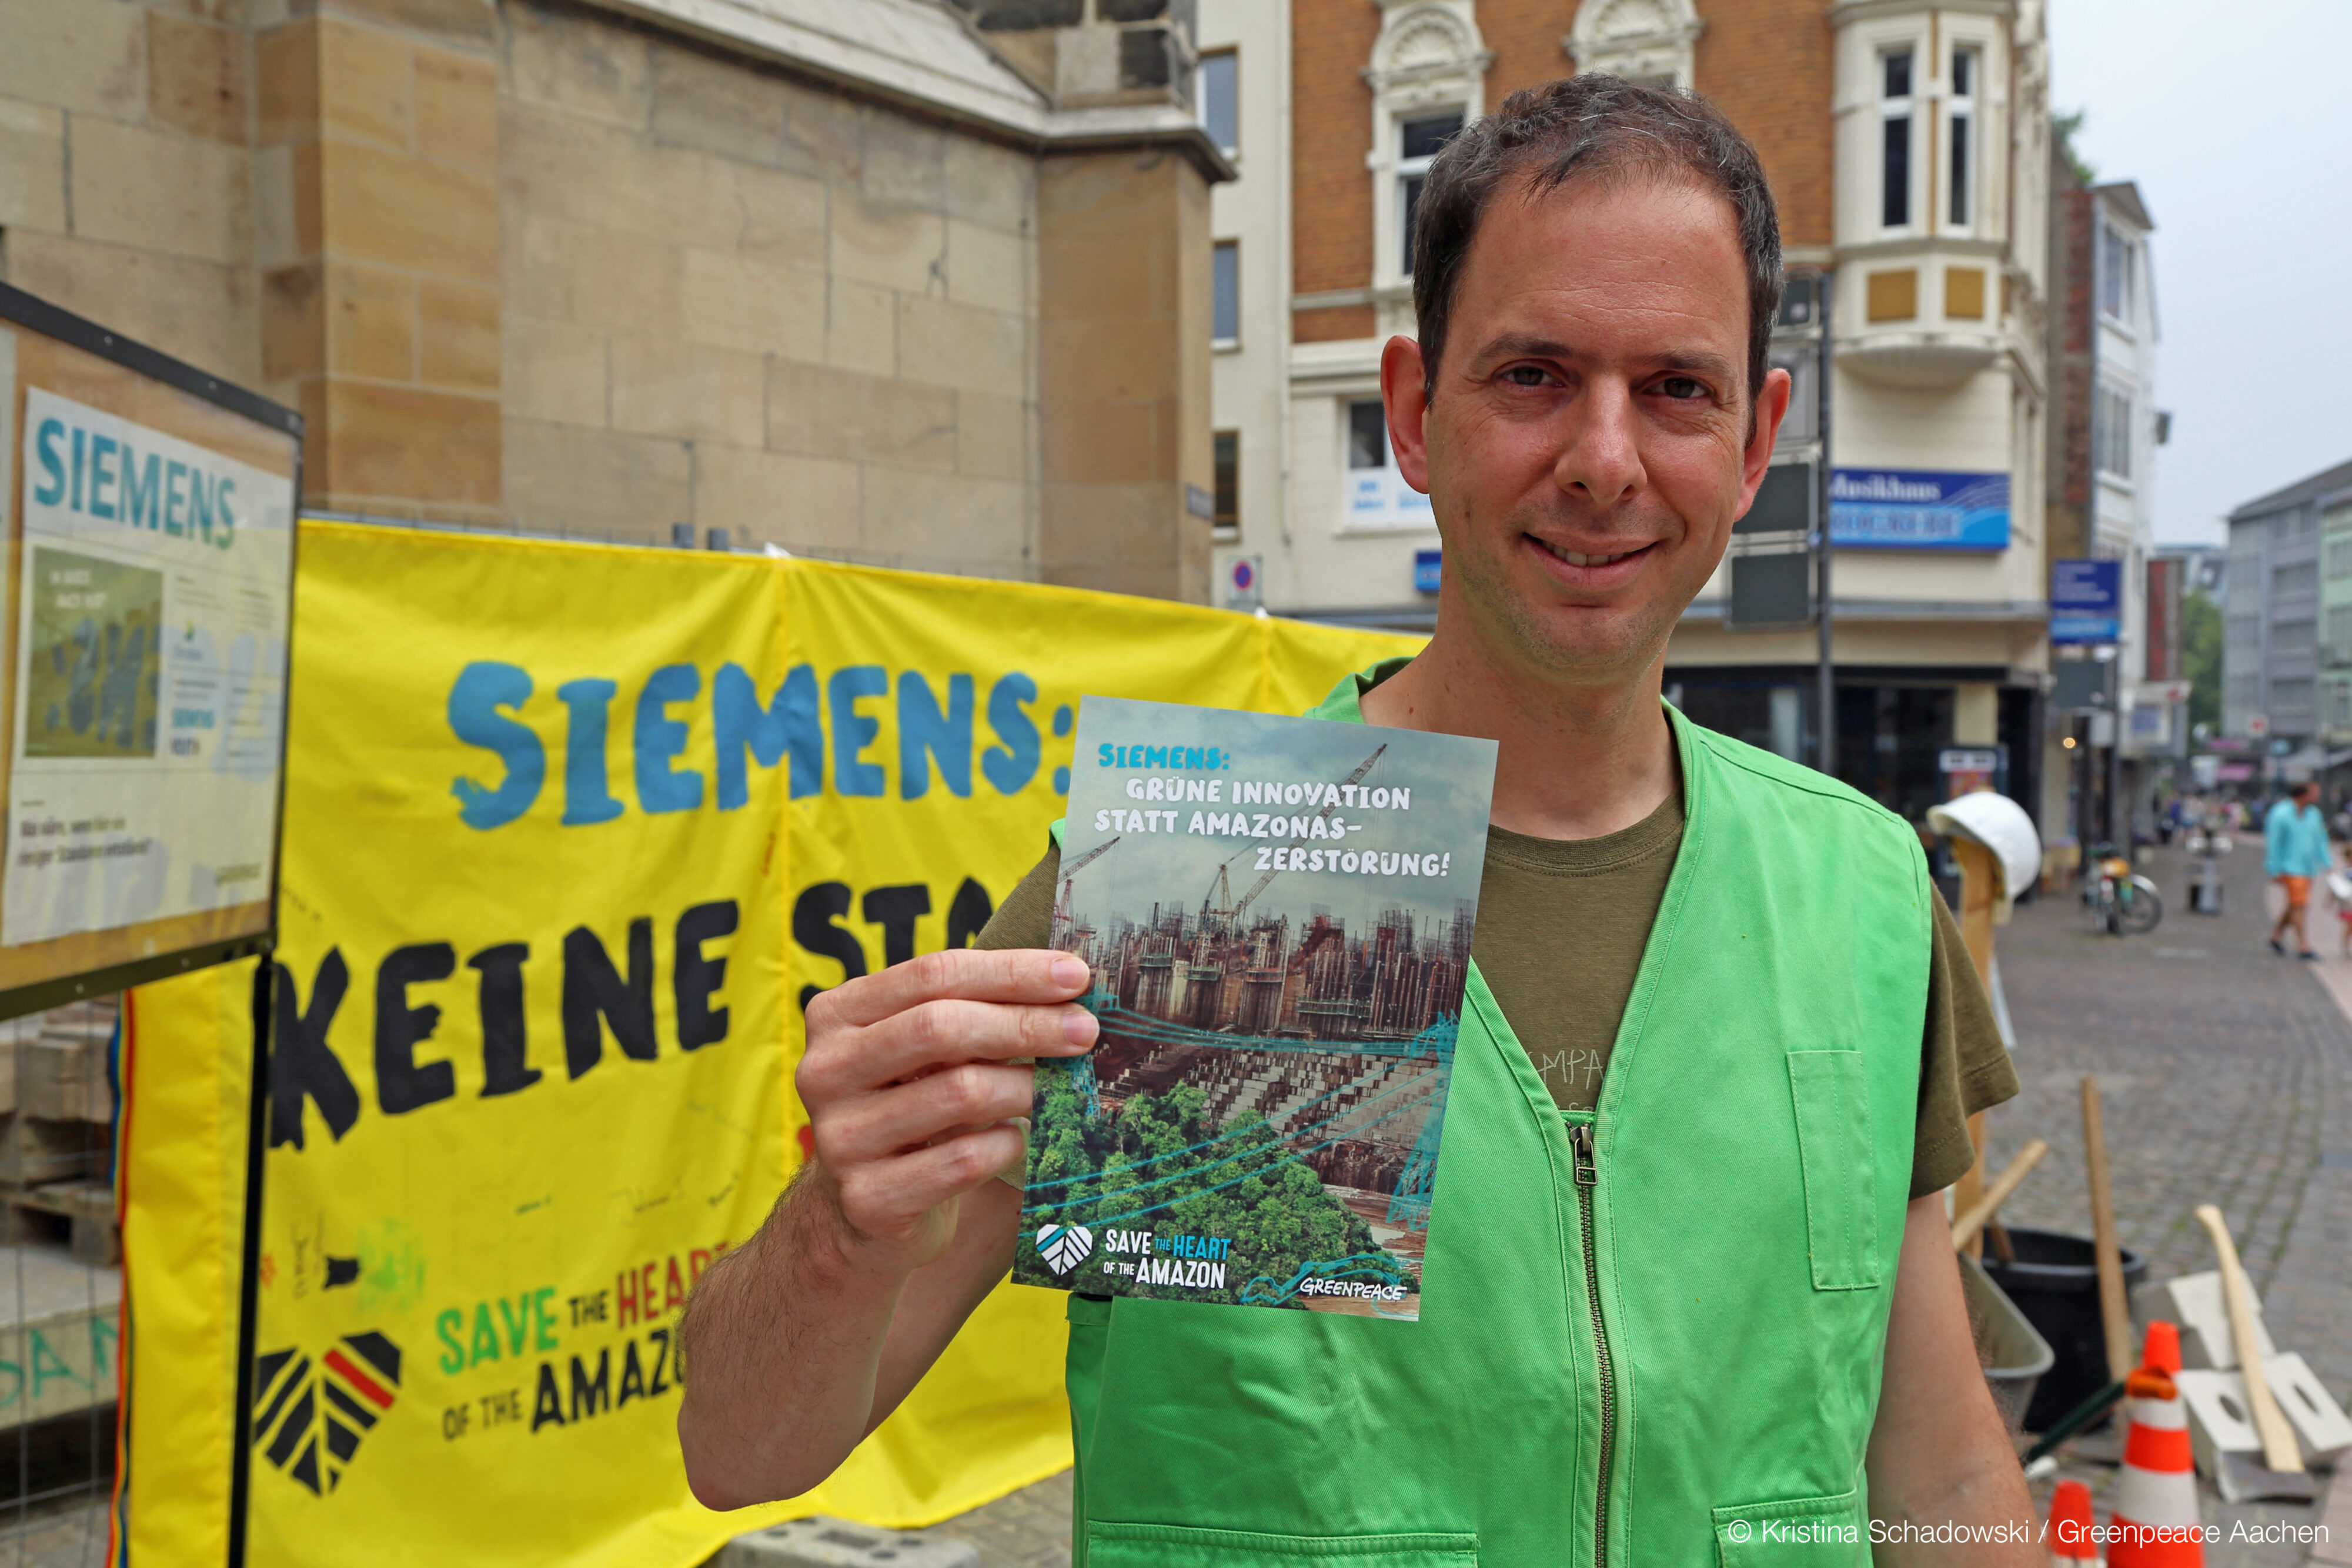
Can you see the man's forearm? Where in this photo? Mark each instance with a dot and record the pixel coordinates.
(782, 1343)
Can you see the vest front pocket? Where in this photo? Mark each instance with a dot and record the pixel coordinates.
(1840, 1167)
(1110, 1544)
(1805, 1533)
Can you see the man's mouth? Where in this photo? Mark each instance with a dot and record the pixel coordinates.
(1579, 558)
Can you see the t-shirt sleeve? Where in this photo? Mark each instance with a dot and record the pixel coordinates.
(1025, 918)
(1964, 1067)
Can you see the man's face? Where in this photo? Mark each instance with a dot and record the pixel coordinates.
(1586, 439)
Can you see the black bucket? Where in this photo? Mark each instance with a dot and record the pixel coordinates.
(2055, 1283)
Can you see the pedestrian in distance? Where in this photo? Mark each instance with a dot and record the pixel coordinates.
(2294, 850)
(1640, 1270)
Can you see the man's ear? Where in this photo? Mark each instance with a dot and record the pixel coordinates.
(1404, 393)
(1771, 408)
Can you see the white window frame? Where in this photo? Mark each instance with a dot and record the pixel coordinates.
(1429, 60)
(1964, 187)
(1641, 40)
(1904, 106)
(1200, 97)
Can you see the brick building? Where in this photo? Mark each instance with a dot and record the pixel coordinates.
(888, 280)
(1907, 144)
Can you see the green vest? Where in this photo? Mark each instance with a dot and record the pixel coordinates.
(1648, 1336)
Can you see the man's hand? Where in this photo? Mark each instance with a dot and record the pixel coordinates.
(909, 1085)
(801, 1341)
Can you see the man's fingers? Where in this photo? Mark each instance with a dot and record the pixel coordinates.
(875, 1127)
(941, 1034)
(1032, 975)
(887, 1198)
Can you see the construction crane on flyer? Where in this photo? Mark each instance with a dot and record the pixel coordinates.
(1233, 916)
(1070, 870)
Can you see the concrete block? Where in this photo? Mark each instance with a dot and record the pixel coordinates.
(371, 322)
(780, 216)
(574, 272)
(840, 414)
(293, 320)
(62, 1078)
(862, 327)
(990, 267)
(400, 211)
(366, 81)
(32, 166)
(993, 186)
(824, 134)
(824, 1543)
(411, 444)
(89, 58)
(2194, 1303)
(564, 477)
(943, 522)
(577, 61)
(760, 497)
(284, 82)
(195, 77)
(554, 370)
(457, 107)
(963, 347)
(896, 247)
(662, 386)
(718, 105)
(158, 190)
(905, 163)
(463, 21)
(457, 335)
(33, 1151)
(735, 301)
(994, 437)
(203, 312)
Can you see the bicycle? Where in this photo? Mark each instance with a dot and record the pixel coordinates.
(2121, 902)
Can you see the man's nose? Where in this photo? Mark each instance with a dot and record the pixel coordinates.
(1600, 454)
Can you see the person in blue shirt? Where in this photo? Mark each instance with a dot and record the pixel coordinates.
(2294, 850)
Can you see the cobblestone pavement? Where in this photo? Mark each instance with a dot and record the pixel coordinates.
(2226, 1077)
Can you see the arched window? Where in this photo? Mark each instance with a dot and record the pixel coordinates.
(1427, 75)
(1646, 41)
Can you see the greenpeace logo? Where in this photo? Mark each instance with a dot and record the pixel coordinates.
(1362, 1290)
(1064, 1247)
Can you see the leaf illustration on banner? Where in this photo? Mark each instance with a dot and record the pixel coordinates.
(339, 1399)
(1064, 1247)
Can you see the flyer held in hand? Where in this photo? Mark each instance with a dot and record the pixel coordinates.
(1277, 914)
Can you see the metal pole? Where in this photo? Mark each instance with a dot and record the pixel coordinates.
(1826, 696)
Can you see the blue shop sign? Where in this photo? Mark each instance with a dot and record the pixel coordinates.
(1425, 568)
(2086, 601)
(1906, 509)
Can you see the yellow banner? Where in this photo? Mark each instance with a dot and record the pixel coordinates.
(554, 813)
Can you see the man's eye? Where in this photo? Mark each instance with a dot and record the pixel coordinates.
(1682, 387)
(1526, 376)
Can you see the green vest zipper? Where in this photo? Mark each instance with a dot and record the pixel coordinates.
(1588, 1176)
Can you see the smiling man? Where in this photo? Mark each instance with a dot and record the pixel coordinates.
(1690, 1294)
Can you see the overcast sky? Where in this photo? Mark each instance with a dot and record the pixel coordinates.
(2244, 157)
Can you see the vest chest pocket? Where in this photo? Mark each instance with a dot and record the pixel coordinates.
(1116, 1545)
(1840, 1167)
(1809, 1533)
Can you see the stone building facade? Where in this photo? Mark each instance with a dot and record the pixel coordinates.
(1907, 145)
(885, 281)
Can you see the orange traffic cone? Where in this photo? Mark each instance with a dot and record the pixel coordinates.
(2154, 1510)
(2072, 1542)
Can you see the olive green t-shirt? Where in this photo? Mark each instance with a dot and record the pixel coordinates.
(1562, 924)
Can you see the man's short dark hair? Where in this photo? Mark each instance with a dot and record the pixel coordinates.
(1578, 128)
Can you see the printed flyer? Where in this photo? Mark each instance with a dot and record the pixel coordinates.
(1277, 912)
(152, 663)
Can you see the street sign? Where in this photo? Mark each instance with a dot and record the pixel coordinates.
(2166, 694)
(1245, 582)
(1426, 568)
(1966, 761)
(2086, 601)
(2081, 684)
